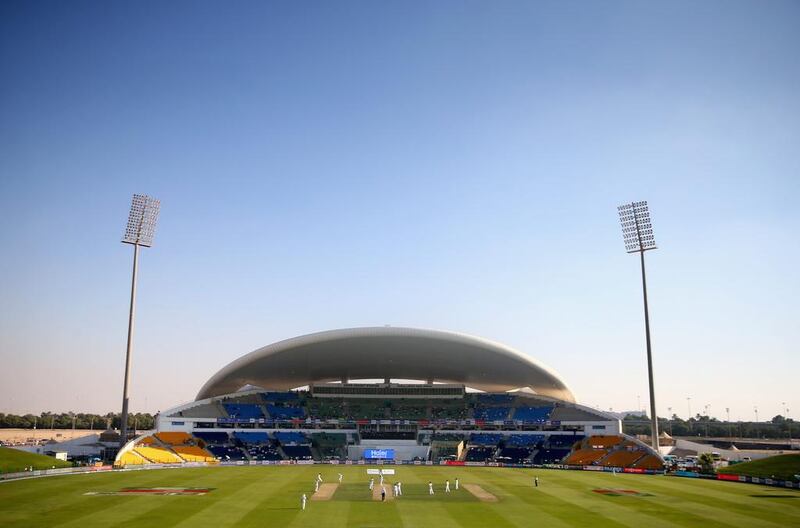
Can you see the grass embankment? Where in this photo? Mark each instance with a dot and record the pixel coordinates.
(13, 460)
(783, 467)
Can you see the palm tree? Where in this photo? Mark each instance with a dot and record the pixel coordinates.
(706, 462)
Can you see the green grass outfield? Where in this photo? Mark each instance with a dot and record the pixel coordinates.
(269, 496)
(783, 467)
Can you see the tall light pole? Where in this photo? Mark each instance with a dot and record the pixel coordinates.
(730, 427)
(788, 423)
(637, 233)
(669, 414)
(140, 231)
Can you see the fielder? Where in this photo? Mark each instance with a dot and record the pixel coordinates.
(456, 483)
(316, 486)
(430, 488)
(399, 488)
(319, 477)
(340, 478)
(371, 483)
(303, 501)
(447, 486)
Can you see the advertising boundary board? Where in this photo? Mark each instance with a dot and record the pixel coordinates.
(7, 477)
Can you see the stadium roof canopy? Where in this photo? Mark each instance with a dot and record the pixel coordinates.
(387, 352)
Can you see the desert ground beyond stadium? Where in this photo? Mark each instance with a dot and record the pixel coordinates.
(269, 496)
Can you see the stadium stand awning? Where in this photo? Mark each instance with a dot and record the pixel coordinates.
(387, 352)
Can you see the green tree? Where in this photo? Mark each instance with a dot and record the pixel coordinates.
(706, 462)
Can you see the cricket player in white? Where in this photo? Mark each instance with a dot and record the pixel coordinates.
(371, 483)
(456, 483)
(399, 488)
(316, 485)
(303, 500)
(430, 488)
(447, 486)
(340, 478)
(319, 477)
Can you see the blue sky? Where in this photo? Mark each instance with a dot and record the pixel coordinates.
(452, 165)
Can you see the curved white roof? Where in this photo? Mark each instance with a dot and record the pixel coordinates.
(387, 352)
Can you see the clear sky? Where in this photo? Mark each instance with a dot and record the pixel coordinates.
(452, 165)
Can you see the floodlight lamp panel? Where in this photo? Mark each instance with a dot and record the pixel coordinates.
(141, 226)
(637, 229)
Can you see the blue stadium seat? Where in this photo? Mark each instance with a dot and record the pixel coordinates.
(212, 437)
(533, 414)
(524, 440)
(485, 439)
(491, 414)
(291, 437)
(285, 413)
(244, 411)
(247, 437)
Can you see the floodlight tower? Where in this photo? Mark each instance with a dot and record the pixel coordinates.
(140, 231)
(637, 233)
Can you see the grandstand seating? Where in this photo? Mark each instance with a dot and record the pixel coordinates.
(174, 438)
(491, 414)
(193, 454)
(514, 455)
(365, 410)
(559, 441)
(263, 452)
(649, 462)
(532, 414)
(622, 458)
(297, 452)
(224, 452)
(487, 439)
(130, 458)
(329, 445)
(454, 411)
(157, 455)
(285, 413)
(251, 437)
(291, 437)
(447, 437)
(479, 453)
(524, 440)
(585, 456)
(245, 411)
(280, 396)
(408, 410)
(495, 399)
(212, 437)
(603, 441)
(550, 456)
(324, 409)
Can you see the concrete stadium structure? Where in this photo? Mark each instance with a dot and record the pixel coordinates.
(400, 394)
(388, 353)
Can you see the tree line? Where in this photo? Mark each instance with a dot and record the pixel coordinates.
(70, 420)
(706, 426)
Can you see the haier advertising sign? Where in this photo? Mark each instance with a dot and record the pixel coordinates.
(385, 454)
